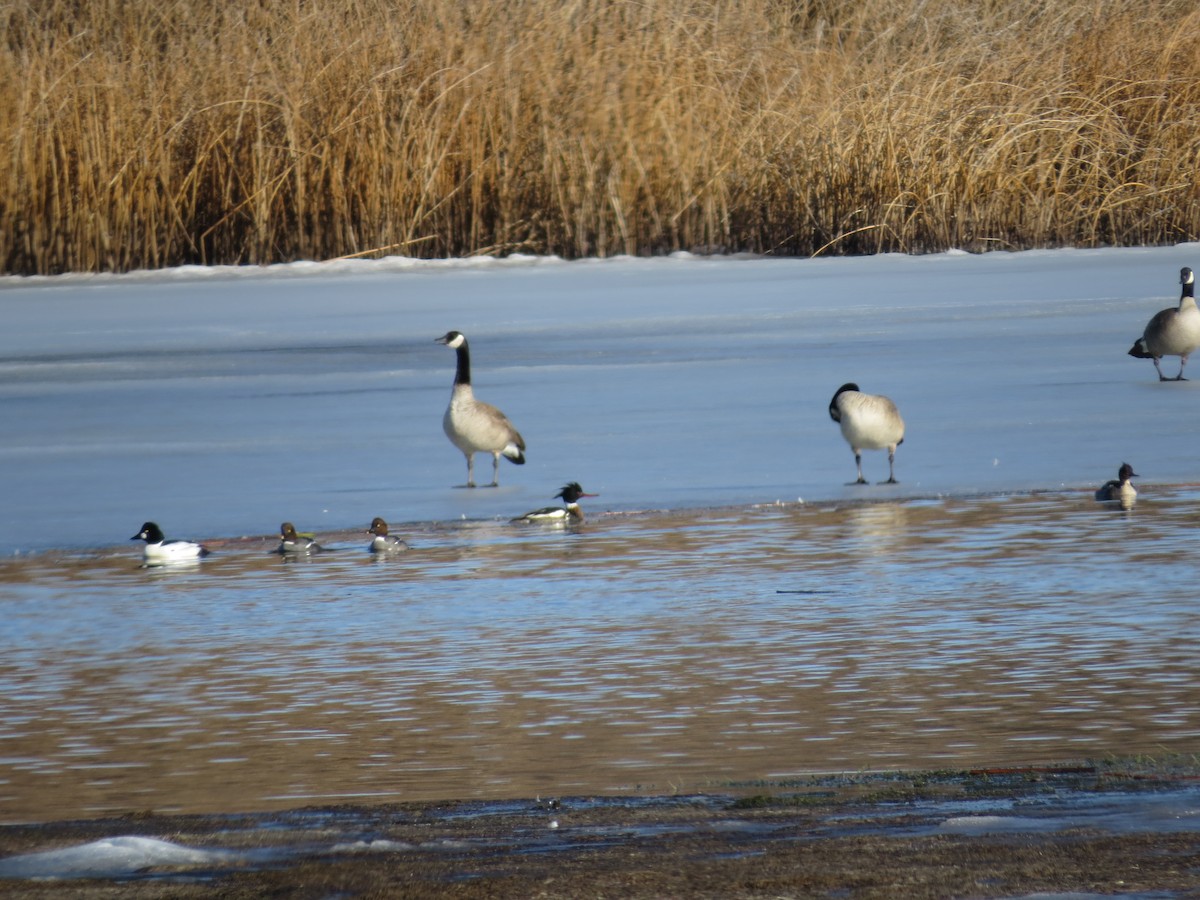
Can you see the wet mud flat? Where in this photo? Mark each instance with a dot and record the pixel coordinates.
(1086, 830)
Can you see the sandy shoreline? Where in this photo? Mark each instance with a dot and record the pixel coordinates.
(1109, 829)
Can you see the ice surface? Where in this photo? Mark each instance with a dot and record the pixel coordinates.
(223, 401)
(110, 858)
(1173, 811)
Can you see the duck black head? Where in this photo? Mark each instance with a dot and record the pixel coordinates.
(150, 533)
(572, 491)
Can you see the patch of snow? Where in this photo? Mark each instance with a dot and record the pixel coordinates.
(110, 858)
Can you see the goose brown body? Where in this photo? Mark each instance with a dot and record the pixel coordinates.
(1174, 331)
(474, 426)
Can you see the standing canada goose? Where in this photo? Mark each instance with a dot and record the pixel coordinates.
(571, 514)
(384, 542)
(1120, 490)
(1172, 331)
(292, 544)
(869, 422)
(474, 426)
(161, 552)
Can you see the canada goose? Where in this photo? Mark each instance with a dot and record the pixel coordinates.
(1120, 490)
(384, 542)
(292, 544)
(571, 514)
(868, 422)
(161, 552)
(1172, 331)
(474, 426)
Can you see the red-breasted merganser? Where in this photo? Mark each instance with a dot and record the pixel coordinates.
(571, 514)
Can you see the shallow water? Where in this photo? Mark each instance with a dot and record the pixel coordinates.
(642, 653)
(959, 618)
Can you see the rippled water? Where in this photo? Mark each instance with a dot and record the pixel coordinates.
(959, 618)
(644, 652)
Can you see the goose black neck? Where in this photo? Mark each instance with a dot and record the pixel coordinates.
(462, 375)
(1189, 290)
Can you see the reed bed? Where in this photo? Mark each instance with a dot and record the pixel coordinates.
(143, 133)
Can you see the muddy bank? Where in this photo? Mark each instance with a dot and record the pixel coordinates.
(999, 833)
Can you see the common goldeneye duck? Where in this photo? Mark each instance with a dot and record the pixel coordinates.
(474, 426)
(868, 422)
(1121, 490)
(571, 514)
(384, 542)
(1174, 331)
(292, 544)
(161, 552)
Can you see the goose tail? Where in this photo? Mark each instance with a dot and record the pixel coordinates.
(1139, 351)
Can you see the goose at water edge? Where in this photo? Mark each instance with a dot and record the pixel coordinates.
(474, 426)
(161, 552)
(1174, 331)
(571, 514)
(384, 542)
(1120, 490)
(293, 544)
(868, 422)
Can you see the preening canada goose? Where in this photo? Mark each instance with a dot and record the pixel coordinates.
(1174, 331)
(1120, 490)
(868, 422)
(571, 514)
(474, 426)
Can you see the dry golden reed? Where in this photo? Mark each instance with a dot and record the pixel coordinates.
(143, 133)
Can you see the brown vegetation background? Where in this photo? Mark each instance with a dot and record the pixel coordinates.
(149, 133)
